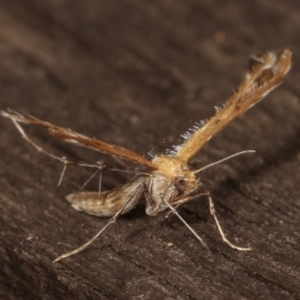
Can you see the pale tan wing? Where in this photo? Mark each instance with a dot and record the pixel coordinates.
(73, 137)
(267, 73)
(108, 203)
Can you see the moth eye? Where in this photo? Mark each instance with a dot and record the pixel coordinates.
(180, 185)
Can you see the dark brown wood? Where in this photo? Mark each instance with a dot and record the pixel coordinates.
(137, 74)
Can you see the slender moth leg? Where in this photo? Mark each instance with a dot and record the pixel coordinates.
(213, 213)
(184, 200)
(111, 221)
(186, 224)
(148, 198)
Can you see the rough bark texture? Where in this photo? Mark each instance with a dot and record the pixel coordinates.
(138, 74)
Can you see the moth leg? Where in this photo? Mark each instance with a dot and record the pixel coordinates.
(90, 178)
(186, 224)
(148, 197)
(189, 198)
(71, 136)
(38, 148)
(184, 200)
(170, 212)
(62, 160)
(62, 175)
(111, 221)
(213, 213)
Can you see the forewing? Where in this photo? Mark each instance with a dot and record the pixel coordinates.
(108, 203)
(73, 137)
(267, 73)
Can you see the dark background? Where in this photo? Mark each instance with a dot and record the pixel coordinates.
(138, 74)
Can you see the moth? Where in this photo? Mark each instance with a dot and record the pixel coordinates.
(166, 181)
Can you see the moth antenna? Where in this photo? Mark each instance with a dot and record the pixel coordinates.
(111, 221)
(224, 159)
(186, 224)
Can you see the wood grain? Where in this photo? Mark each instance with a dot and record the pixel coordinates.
(138, 74)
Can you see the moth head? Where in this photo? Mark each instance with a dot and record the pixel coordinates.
(181, 184)
(170, 182)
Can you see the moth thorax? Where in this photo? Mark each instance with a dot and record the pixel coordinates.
(170, 166)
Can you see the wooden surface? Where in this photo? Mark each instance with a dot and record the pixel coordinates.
(138, 74)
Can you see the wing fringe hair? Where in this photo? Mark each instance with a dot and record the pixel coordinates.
(266, 73)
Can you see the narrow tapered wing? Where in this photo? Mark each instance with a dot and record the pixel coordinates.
(79, 139)
(266, 73)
